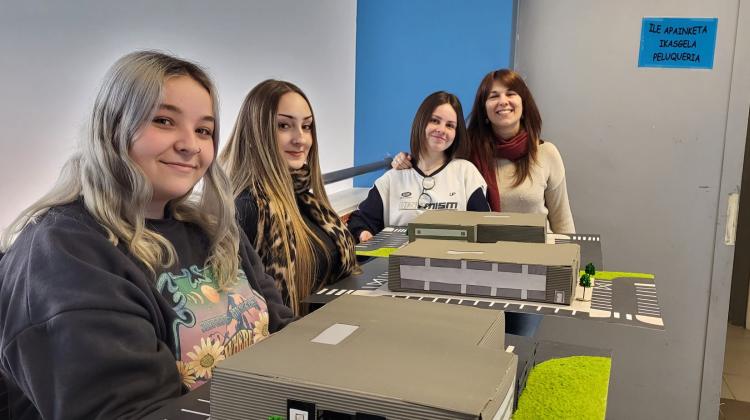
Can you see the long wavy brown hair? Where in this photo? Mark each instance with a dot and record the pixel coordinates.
(252, 158)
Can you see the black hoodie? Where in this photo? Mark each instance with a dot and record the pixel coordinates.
(88, 332)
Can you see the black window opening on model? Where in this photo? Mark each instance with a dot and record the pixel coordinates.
(302, 410)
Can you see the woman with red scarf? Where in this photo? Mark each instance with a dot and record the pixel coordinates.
(524, 174)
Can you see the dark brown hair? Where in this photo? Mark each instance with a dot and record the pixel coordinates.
(459, 148)
(482, 138)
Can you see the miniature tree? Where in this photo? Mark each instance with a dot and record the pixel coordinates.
(590, 269)
(585, 282)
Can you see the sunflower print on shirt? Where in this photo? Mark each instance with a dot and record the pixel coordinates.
(211, 325)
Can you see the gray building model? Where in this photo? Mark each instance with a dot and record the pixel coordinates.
(484, 227)
(510, 270)
(373, 358)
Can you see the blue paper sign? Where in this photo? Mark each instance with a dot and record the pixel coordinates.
(687, 43)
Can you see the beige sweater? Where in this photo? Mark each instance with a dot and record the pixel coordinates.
(543, 192)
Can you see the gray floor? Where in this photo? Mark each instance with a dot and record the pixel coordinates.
(734, 410)
(736, 384)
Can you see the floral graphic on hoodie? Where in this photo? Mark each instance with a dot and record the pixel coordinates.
(211, 324)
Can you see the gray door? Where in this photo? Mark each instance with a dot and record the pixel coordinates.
(651, 156)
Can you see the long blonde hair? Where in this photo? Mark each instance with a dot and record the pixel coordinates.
(252, 158)
(116, 191)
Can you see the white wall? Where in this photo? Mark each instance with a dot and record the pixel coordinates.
(54, 55)
(644, 151)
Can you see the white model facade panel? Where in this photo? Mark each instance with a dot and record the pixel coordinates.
(465, 276)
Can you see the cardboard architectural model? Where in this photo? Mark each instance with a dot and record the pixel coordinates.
(373, 358)
(484, 227)
(510, 270)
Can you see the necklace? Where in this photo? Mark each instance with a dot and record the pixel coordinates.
(428, 170)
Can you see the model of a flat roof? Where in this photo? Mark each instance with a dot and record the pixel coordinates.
(501, 252)
(473, 218)
(390, 357)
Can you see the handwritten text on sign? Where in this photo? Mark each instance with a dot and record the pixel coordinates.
(678, 42)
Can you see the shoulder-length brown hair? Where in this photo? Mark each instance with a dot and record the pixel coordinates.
(422, 118)
(482, 138)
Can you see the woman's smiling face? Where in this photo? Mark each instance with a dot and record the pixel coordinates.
(175, 148)
(504, 109)
(441, 129)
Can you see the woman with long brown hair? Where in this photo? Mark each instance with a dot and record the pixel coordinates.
(524, 173)
(272, 162)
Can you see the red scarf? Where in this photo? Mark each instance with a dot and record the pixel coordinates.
(512, 149)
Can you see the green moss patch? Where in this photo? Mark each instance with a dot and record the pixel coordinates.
(380, 252)
(611, 275)
(566, 388)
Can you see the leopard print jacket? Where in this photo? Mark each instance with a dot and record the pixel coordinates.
(268, 241)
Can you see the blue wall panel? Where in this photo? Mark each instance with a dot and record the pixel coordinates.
(407, 49)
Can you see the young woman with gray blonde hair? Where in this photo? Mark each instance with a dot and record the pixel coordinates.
(118, 277)
(272, 162)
